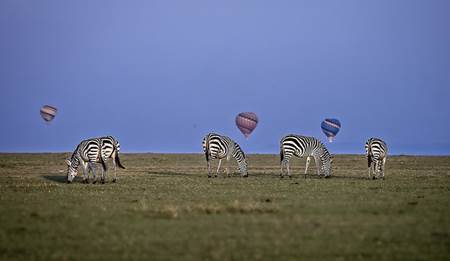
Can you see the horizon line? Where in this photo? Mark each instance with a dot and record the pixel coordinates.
(178, 153)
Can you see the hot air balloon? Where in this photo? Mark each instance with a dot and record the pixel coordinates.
(246, 122)
(330, 127)
(48, 112)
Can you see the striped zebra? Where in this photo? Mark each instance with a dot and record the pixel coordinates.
(296, 145)
(90, 151)
(376, 152)
(217, 146)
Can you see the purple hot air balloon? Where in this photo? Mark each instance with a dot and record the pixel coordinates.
(48, 112)
(246, 122)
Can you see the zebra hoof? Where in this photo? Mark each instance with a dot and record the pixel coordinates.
(327, 177)
(94, 182)
(103, 182)
(373, 177)
(114, 180)
(245, 176)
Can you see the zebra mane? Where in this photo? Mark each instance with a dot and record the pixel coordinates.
(238, 148)
(74, 153)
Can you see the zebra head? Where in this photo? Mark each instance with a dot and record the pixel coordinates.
(71, 171)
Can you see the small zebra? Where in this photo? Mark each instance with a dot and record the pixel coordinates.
(296, 145)
(376, 152)
(90, 151)
(216, 146)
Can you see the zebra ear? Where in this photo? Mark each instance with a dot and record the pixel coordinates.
(68, 162)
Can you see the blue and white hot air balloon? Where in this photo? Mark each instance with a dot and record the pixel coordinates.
(331, 127)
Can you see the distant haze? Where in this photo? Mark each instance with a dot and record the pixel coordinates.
(159, 75)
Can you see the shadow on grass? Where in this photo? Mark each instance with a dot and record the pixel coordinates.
(171, 174)
(55, 178)
(205, 175)
(350, 177)
(253, 175)
(315, 176)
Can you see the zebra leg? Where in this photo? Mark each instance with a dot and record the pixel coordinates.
(370, 167)
(375, 170)
(288, 169)
(218, 168)
(308, 159)
(281, 170)
(228, 168)
(85, 174)
(282, 165)
(103, 175)
(93, 173)
(382, 168)
(208, 162)
(379, 169)
(104, 170)
(317, 161)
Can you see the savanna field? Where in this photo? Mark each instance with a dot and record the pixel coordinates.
(164, 207)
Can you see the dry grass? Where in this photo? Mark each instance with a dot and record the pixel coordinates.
(165, 208)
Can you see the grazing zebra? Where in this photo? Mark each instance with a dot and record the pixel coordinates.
(296, 145)
(95, 150)
(219, 147)
(376, 152)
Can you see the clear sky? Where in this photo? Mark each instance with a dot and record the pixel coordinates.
(159, 75)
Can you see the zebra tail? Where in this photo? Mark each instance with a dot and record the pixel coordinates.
(369, 158)
(118, 160)
(207, 147)
(281, 155)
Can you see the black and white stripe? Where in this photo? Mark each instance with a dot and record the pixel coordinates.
(296, 145)
(217, 146)
(90, 151)
(376, 152)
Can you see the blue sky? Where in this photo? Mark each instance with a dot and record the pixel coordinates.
(159, 75)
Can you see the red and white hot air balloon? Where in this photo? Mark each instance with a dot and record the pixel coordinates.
(246, 122)
(48, 113)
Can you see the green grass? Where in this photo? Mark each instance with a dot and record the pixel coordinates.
(165, 208)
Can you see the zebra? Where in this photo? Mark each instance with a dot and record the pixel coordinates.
(376, 152)
(296, 145)
(90, 151)
(217, 146)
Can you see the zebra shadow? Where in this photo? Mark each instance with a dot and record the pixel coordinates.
(171, 174)
(350, 177)
(315, 176)
(58, 178)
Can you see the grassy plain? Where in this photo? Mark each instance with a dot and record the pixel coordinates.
(165, 208)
